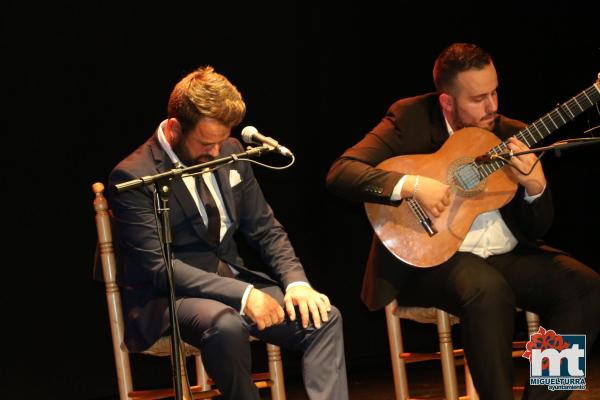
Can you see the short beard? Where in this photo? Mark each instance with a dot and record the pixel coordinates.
(186, 159)
(460, 123)
(180, 152)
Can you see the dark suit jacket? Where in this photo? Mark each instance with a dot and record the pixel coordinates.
(142, 267)
(416, 126)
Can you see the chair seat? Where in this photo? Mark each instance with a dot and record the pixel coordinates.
(162, 348)
(424, 315)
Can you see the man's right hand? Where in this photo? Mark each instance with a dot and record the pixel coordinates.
(263, 309)
(432, 194)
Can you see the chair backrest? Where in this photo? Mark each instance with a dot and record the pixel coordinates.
(106, 254)
(106, 261)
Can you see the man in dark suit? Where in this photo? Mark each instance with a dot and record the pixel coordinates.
(499, 265)
(220, 302)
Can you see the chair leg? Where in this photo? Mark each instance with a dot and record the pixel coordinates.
(471, 392)
(122, 364)
(276, 370)
(201, 375)
(533, 322)
(396, 348)
(124, 380)
(446, 351)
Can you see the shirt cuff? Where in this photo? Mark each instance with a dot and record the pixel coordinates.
(297, 283)
(530, 199)
(397, 192)
(245, 299)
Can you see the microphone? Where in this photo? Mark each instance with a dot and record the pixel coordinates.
(251, 135)
(488, 158)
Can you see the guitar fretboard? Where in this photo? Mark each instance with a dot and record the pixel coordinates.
(545, 125)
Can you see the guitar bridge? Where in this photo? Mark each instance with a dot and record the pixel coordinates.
(422, 216)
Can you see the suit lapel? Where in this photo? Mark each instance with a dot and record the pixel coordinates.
(188, 206)
(439, 136)
(222, 176)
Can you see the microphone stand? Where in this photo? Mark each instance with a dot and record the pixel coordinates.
(162, 185)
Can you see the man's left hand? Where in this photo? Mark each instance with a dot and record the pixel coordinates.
(309, 302)
(535, 182)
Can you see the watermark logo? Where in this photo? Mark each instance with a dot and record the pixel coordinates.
(556, 361)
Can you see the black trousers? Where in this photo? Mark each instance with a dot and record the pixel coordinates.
(222, 335)
(484, 293)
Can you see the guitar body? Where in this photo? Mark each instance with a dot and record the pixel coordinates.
(399, 229)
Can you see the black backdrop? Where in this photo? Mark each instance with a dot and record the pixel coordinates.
(84, 83)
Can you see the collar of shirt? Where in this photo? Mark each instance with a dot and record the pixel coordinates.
(448, 127)
(162, 139)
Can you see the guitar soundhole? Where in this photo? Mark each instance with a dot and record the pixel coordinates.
(464, 177)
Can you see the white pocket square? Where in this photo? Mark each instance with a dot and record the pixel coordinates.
(234, 177)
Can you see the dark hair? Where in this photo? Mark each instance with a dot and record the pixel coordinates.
(458, 57)
(205, 93)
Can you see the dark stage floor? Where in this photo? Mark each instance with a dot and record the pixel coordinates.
(425, 382)
(424, 379)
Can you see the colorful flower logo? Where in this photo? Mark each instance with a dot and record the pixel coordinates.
(545, 339)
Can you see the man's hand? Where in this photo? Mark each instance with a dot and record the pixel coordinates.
(263, 309)
(434, 195)
(308, 301)
(535, 182)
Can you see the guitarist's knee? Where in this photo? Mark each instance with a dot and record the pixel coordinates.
(487, 293)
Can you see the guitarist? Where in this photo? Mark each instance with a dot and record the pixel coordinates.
(499, 265)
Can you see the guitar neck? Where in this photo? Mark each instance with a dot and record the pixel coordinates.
(550, 122)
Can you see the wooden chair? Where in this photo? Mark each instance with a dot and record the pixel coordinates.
(448, 355)
(203, 388)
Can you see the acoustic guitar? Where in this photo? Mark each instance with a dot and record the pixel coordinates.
(423, 241)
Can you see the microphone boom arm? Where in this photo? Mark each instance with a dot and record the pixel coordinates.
(564, 144)
(177, 173)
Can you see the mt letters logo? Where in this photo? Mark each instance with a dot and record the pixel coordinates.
(556, 361)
